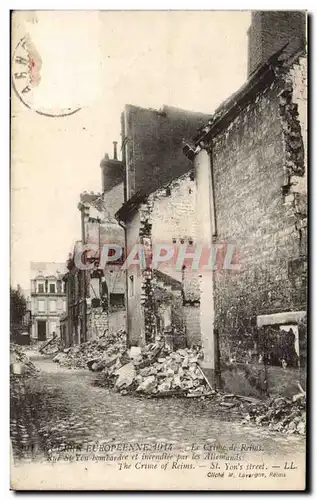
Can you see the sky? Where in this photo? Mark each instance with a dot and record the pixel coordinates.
(100, 61)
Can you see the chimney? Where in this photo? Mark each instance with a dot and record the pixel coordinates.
(270, 31)
(112, 171)
(115, 153)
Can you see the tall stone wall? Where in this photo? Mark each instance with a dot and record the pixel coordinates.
(260, 197)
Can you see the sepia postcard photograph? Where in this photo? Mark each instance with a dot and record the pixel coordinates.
(158, 280)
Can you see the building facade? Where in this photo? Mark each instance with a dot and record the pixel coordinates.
(250, 188)
(48, 298)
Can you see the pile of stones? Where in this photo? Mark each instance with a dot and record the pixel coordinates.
(20, 364)
(280, 414)
(93, 354)
(157, 371)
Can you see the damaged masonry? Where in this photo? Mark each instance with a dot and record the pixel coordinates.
(246, 324)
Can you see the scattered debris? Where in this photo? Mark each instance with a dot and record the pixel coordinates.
(228, 405)
(20, 364)
(280, 414)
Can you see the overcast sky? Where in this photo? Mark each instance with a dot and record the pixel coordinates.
(102, 61)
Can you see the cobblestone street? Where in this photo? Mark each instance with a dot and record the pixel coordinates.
(62, 407)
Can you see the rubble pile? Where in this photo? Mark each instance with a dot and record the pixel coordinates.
(157, 371)
(280, 414)
(52, 346)
(20, 364)
(94, 354)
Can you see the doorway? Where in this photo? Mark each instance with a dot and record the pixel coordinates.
(41, 330)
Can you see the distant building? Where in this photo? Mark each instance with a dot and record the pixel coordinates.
(48, 298)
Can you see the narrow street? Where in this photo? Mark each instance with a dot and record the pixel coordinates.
(63, 407)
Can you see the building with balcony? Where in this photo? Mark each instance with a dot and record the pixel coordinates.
(48, 298)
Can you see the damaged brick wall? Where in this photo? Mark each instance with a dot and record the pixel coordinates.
(251, 159)
(153, 145)
(167, 216)
(100, 227)
(293, 128)
(293, 110)
(174, 223)
(298, 74)
(296, 188)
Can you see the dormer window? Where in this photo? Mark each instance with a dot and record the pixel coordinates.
(40, 287)
(52, 288)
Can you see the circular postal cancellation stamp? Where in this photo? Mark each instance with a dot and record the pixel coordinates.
(26, 80)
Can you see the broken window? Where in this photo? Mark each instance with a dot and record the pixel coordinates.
(117, 300)
(279, 346)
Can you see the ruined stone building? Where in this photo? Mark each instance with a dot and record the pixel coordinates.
(96, 296)
(152, 155)
(48, 298)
